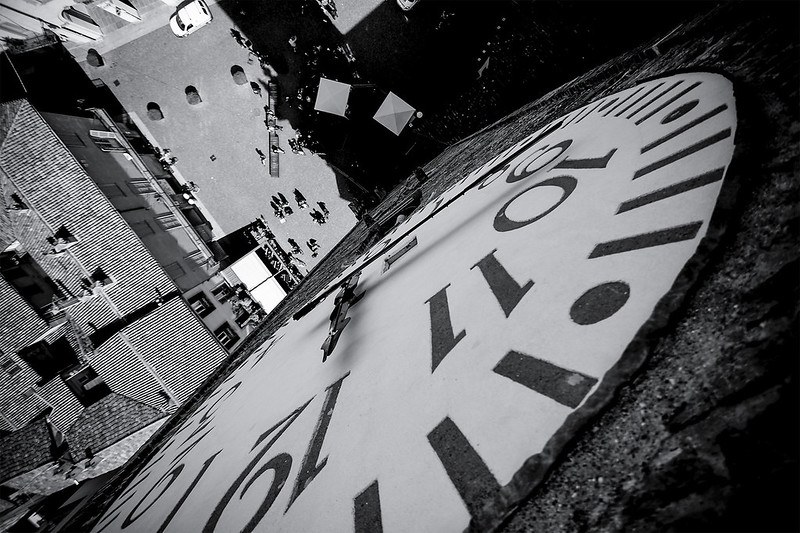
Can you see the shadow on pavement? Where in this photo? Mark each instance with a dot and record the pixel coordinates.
(500, 55)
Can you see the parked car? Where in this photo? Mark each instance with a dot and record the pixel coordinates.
(190, 17)
(406, 5)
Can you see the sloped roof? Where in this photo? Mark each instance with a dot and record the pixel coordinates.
(24, 449)
(193, 354)
(58, 191)
(109, 420)
(8, 111)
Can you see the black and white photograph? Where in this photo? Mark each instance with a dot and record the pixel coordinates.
(303, 266)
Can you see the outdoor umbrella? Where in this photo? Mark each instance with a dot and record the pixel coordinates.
(394, 113)
(332, 96)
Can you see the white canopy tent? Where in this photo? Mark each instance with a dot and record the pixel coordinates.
(394, 113)
(332, 96)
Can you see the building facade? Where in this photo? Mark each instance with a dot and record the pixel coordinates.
(86, 309)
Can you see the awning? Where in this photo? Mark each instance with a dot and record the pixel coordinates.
(394, 113)
(332, 96)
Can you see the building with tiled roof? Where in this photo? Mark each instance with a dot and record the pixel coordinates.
(108, 421)
(25, 449)
(86, 311)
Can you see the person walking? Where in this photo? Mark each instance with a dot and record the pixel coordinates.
(317, 217)
(262, 156)
(295, 248)
(324, 209)
(284, 201)
(277, 149)
(300, 199)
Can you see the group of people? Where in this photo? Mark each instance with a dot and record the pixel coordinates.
(312, 244)
(282, 209)
(320, 217)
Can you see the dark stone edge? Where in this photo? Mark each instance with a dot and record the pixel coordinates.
(535, 470)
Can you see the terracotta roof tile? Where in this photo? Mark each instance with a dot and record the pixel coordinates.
(111, 419)
(24, 449)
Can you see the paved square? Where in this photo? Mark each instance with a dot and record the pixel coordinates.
(228, 124)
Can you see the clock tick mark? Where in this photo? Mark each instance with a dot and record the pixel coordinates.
(645, 95)
(634, 93)
(367, 510)
(558, 384)
(699, 120)
(672, 190)
(590, 112)
(467, 471)
(708, 141)
(610, 102)
(665, 104)
(647, 240)
(679, 111)
(649, 102)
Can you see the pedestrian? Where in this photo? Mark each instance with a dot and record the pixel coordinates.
(262, 155)
(284, 201)
(288, 210)
(237, 37)
(273, 128)
(293, 42)
(273, 205)
(277, 149)
(295, 248)
(256, 88)
(317, 217)
(300, 199)
(324, 209)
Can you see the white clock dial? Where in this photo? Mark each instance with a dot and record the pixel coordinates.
(505, 314)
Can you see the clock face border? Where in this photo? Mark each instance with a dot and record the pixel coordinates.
(535, 468)
(533, 473)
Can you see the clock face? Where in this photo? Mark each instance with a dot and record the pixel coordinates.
(489, 317)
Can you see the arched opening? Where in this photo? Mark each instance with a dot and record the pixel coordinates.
(154, 111)
(238, 75)
(94, 58)
(192, 96)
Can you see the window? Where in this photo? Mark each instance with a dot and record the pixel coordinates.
(142, 228)
(73, 140)
(175, 270)
(226, 336)
(112, 190)
(87, 386)
(17, 203)
(10, 367)
(168, 221)
(141, 186)
(222, 292)
(196, 259)
(242, 319)
(201, 304)
(106, 140)
(48, 359)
